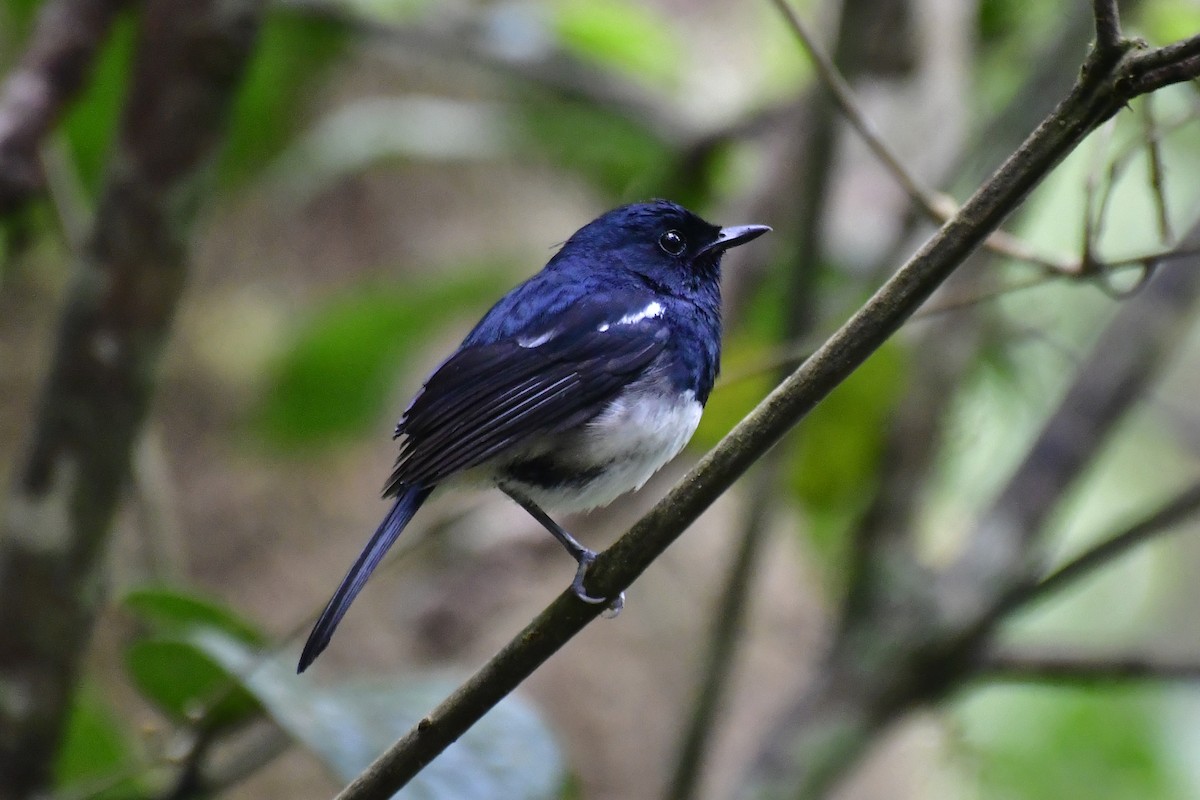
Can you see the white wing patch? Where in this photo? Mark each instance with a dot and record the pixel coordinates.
(536, 341)
(655, 309)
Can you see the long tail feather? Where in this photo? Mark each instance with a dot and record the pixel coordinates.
(402, 512)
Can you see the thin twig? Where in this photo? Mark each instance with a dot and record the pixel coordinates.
(1155, 167)
(1108, 24)
(1163, 520)
(1038, 665)
(1095, 213)
(1124, 361)
(936, 206)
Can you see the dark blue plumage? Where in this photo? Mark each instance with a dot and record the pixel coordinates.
(574, 388)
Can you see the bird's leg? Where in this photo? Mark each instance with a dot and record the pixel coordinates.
(583, 556)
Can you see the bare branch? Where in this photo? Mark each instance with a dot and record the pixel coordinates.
(1126, 358)
(1154, 69)
(1154, 165)
(64, 43)
(1039, 665)
(1108, 24)
(1098, 94)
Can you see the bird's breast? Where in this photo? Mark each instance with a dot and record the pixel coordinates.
(615, 452)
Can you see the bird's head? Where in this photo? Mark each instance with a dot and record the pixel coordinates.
(661, 242)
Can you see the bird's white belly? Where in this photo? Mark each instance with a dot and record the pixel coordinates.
(628, 442)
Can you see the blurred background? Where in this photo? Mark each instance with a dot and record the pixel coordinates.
(391, 168)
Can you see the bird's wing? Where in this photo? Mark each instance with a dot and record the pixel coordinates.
(547, 378)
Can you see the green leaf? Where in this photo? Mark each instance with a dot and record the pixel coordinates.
(172, 610)
(624, 35)
(615, 153)
(97, 754)
(334, 381)
(510, 753)
(1171, 20)
(840, 443)
(91, 121)
(186, 683)
(843, 437)
(19, 14)
(1048, 743)
(292, 50)
(747, 377)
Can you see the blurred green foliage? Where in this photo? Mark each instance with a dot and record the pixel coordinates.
(510, 753)
(838, 450)
(171, 670)
(186, 684)
(97, 758)
(20, 14)
(336, 378)
(1049, 743)
(842, 440)
(612, 151)
(630, 37)
(168, 609)
(292, 50)
(202, 665)
(1169, 20)
(91, 122)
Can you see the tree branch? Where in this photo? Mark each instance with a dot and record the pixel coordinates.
(1163, 520)
(1040, 665)
(1101, 91)
(1108, 24)
(65, 40)
(189, 58)
(1125, 359)
(935, 206)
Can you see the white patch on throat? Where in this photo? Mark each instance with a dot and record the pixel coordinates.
(655, 309)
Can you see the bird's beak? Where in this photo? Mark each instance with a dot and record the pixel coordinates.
(735, 235)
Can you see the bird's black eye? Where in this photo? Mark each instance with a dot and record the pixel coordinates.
(672, 243)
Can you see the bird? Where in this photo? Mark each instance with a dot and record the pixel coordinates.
(576, 387)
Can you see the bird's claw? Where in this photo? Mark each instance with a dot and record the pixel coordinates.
(614, 608)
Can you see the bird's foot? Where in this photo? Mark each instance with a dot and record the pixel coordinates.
(585, 560)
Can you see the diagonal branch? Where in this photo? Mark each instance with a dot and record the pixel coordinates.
(1163, 520)
(916, 635)
(1101, 91)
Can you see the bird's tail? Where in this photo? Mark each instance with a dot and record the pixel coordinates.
(402, 511)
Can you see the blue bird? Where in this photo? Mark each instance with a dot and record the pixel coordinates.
(573, 389)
